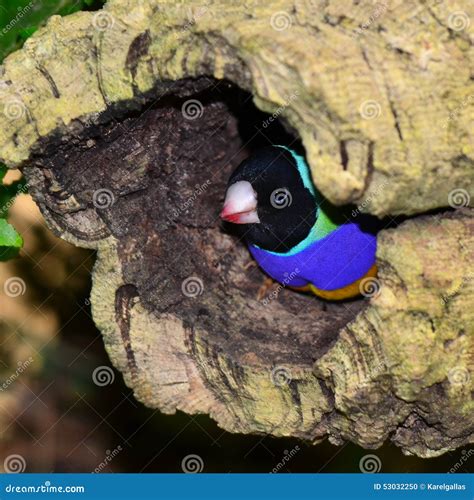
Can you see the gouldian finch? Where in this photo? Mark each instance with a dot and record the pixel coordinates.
(296, 236)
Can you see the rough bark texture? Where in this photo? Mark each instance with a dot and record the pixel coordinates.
(95, 108)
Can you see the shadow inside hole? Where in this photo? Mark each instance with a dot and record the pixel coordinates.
(167, 169)
(305, 318)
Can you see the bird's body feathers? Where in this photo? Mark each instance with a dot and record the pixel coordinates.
(305, 242)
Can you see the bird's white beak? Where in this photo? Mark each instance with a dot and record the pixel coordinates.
(240, 205)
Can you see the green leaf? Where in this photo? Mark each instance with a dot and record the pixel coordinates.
(20, 18)
(18, 21)
(5, 195)
(26, 33)
(10, 241)
(3, 171)
(8, 193)
(5, 202)
(18, 187)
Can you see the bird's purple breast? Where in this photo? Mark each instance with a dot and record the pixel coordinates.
(335, 261)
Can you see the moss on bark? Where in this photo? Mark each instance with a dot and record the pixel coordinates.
(382, 102)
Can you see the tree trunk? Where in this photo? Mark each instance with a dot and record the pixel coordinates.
(127, 124)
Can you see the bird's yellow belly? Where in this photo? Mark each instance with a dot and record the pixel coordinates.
(348, 292)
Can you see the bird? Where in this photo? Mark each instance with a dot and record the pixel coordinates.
(294, 234)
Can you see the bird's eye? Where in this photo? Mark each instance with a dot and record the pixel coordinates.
(281, 198)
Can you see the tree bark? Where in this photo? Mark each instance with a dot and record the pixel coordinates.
(99, 118)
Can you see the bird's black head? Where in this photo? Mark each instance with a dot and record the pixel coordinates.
(267, 198)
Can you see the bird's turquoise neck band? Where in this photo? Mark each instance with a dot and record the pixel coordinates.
(324, 224)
